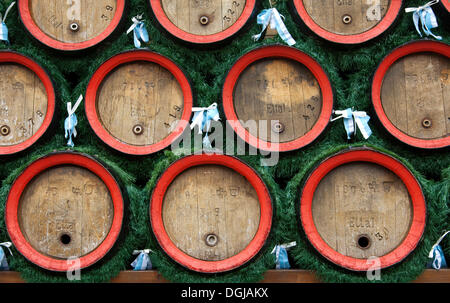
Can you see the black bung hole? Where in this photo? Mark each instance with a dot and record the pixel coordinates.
(65, 239)
(363, 241)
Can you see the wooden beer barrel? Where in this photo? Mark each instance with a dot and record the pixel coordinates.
(203, 21)
(27, 102)
(411, 94)
(62, 206)
(71, 25)
(211, 213)
(360, 204)
(284, 91)
(347, 21)
(138, 102)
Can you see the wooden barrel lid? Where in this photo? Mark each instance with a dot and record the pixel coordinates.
(225, 208)
(138, 102)
(284, 91)
(27, 102)
(360, 204)
(411, 94)
(347, 21)
(71, 25)
(62, 206)
(203, 21)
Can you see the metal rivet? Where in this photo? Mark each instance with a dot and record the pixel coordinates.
(211, 240)
(347, 19)
(363, 241)
(204, 20)
(278, 127)
(5, 130)
(138, 129)
(74, 26)
(426, 123)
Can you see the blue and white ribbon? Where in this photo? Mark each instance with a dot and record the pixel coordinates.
(350, 117)
(71, 121)
(3, 262)
(280, 251)
(272, 16)
(202, 118)
(426, 16)
(142, 262)
(437, 254)
(3, 27)
(139, 31)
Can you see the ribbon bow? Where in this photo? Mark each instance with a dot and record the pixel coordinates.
(3, 261)
(273, 17)
(71, 121)
(202, 118)
(139, 31)
(350, 117)
(282, 261)
(426, 16)
(437, 254)
(142, 262)
(3, 28)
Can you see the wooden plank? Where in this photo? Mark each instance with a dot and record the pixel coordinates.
(65, 211)
(203, 17)
(278, 90)
(347, 17)
(372, 205)
(212, 201)
(415, 90)
(23, 104)
(139, 95)
(54, 17)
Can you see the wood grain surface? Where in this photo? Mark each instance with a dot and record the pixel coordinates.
(139, 94)
(189, 15)
(211, 200)
(54, 18)
(281, 90)
(362, 202)
(23, 104)
(65, 211)
(415, 95)
(347, 17)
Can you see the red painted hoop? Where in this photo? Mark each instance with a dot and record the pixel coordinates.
(12, 57)
(36, 32)
(105, 69)
(12, 204)
(210, 266)
(391, 15)
(277, 51)
(418, 201)
(164, 21)
(446, 5)
(398, 53)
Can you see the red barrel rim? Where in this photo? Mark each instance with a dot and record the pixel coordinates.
(391, 15)
(446, 5)
(13, 57)
(105, 69)
(398, 53)
(418, 201)
(278, 51)
(184, 259)
(38, 166)
(36, 32)
(164, 21)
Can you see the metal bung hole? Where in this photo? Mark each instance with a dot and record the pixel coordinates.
(5, 130)
(347, 19)
(211, 240)
(426, 123)
(363, 241)
(138, 129)
(74, 26)
(65, 239)
(204, 20)
(278, 127)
